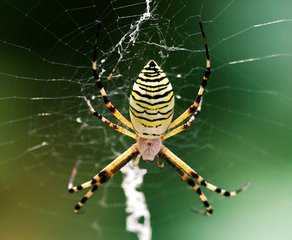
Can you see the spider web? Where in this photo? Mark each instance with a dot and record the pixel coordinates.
(46, 49)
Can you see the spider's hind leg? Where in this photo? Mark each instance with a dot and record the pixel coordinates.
(193, 177)
(196, 188)
(102, 177)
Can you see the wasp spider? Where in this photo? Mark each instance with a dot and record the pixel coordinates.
(151, 112)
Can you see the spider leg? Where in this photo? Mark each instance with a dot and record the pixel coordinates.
(196, 188)
(71, 187)
(184, 126)
(103, 176)
(183, 167)
(73, 174)
(116, 113)
(107, 122)
(196, 104)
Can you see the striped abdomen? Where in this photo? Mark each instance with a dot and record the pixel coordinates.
(151, 102)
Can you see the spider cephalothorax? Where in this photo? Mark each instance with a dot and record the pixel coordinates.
(148, 148)
(151, 112)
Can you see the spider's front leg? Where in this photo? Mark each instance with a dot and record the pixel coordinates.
(195, 108)
(102, 177)
(116, 113)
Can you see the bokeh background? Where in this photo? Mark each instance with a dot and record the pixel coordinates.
(243, 134)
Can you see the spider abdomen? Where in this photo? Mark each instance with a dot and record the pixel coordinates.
(151, 102)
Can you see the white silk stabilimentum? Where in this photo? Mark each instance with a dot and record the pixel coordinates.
(138, 220)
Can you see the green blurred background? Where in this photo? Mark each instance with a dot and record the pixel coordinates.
(243, 135)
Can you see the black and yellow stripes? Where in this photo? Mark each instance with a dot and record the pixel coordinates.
(196, 188)
(184, 126)
(113, 126)
(151, 102)
(102, 177)
(193, 108)
(151, 112)
(104, 95)
(182, 167)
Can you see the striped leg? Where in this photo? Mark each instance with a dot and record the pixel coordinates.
(103, 176)
(107, 122)
(196, 104)
(104, 95)
(73, 175)
(184, 126)
(183, 167)
(196, 188)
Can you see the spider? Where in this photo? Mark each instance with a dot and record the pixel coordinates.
(151, 111)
